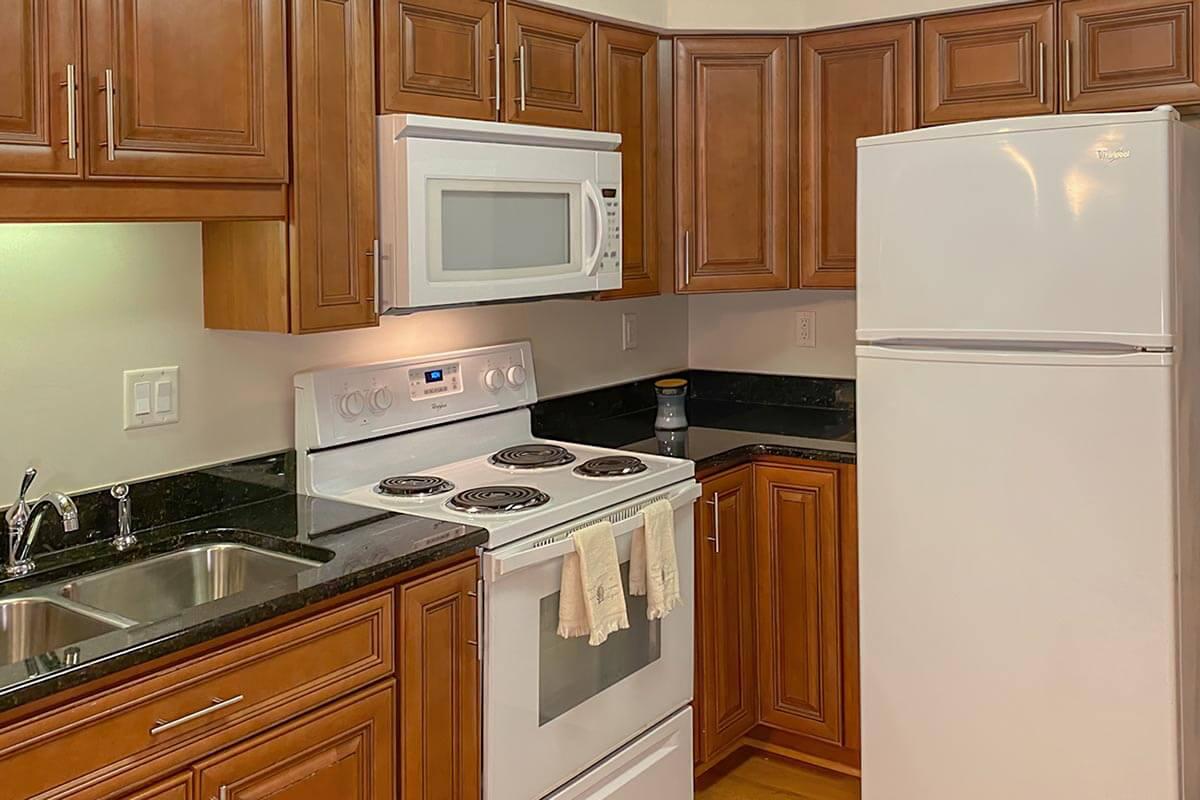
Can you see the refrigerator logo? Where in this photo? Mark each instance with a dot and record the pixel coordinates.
(1117, 154)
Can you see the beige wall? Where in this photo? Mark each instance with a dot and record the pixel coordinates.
(82, 303)
(756, 332)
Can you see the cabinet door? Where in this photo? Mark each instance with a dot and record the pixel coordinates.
(343, 751)
(985, 64)
(39, 112)
(333, 190)
(856, 82)
(439, 687)
(178, 787)
(732, 123)
(727, 685)
(1128, 54)
(549, 73)
(627, 103)
(439, 57)
(188, 90)
(807, 602)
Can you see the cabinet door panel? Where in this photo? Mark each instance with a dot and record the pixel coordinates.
(799, 577)
(627, 103)
(178, 787)
(199, 89)
(727, 685)
(439, 57)
(38, 40)
(1128, 54)
(333, 193)
(856, 82)
(994, 63)
(344, 750)
(732, 143)
(439, 720)
(550, 56)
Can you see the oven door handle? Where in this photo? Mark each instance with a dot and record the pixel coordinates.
(557, 543)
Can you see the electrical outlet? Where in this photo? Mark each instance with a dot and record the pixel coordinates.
(151, 397)
(629, 331)
(806, 329)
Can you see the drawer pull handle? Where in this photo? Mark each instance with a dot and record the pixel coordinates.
(162, 725)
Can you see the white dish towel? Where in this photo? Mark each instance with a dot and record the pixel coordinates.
(653, 563)
(591, 600)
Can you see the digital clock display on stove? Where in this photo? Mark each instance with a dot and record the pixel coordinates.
(434, 376)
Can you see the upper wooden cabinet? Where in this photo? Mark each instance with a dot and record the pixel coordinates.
(732, 117)
(549, 72)
(806, 574)
(39, 111)
(726, 679)
(627, 103)
(855, 82)
(439, 57)
(186, 90)
(994, 63)
(1129, 54)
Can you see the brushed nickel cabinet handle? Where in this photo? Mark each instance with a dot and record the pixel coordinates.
(496, 58)
(108, 106)
(521, 70)
(1042, 73)
(1067, 71)
(375, 275)
(162, 725)
(687, 258)
(716, 537)
(476, 595)
(223, 793)
(72, 122)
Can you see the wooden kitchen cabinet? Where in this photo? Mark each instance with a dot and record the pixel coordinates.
(440, 57)
(726, 678)
(998, 62)
(186, 90)
(806, 574)
(549, 76)
(343, 751)
(854, 82)
(439, 730)
(1129, 54)
(177, 787)
(39, 46)
(316, 271)
(733, 119)
(627, 103)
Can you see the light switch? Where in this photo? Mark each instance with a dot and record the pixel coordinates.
(151, 397)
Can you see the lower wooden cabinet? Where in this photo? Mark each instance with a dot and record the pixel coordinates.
(344, 751)
(440, 699)
(726, 679)
(178, 787)
(777, 613)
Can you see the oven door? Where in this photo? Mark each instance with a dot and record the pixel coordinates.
(554, 707)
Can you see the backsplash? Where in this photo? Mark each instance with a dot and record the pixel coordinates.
(173, 498)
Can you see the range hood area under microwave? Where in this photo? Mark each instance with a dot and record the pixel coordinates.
(478, 212)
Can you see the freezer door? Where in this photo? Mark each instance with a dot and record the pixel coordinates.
(1044, 234)
(1017, 576)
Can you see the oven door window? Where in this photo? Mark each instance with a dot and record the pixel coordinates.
(498, 230)
(571, 671)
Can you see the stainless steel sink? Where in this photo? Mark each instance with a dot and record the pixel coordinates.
(30, 626)
(165, 585)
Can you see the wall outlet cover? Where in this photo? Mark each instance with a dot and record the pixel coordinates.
(629, 331)
(806, 329)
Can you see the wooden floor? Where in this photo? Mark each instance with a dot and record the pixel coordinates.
(762, 777)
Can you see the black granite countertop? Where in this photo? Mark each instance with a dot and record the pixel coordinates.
(356, 546)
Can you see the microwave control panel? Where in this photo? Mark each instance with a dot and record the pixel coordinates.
(610, 255)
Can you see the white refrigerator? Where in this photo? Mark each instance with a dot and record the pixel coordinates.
(1028, 434)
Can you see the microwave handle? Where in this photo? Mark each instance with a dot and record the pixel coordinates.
(597, 203)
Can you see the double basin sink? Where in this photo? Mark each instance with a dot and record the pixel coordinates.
(154, 589)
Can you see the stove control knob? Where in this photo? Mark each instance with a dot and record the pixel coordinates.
(493, 379)
(516, 375)
(351, 404)
(381, 400)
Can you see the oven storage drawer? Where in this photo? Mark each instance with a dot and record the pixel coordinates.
(142, 728)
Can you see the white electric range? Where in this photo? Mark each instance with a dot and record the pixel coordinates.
(448, 436)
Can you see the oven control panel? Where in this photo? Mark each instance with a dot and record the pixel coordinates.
(610, 255)
(349, 404)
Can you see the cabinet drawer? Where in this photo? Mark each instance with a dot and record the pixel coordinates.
(174, 716)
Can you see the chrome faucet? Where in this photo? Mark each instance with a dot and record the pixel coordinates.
(23, 520)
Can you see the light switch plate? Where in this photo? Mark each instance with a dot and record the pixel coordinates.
(806, 329)
(158, 390)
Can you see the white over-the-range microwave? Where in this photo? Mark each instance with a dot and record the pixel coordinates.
(477, 212)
